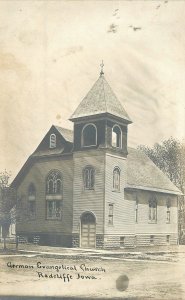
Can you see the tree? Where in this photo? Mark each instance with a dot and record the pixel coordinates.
(169, 157)
(7, 201)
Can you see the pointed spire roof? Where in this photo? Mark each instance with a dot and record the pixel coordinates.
(100, 100)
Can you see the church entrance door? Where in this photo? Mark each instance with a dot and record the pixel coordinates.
(88, 231)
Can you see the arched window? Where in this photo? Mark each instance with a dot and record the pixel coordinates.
(89, 135)
(31, 201)
(116, 179)
(52, 141)
(54, 183)
(153, 210)
(116, 136)
(89, 178)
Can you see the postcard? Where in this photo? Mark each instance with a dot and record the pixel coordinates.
(92, 175)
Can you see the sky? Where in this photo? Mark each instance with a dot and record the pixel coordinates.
(50, 55)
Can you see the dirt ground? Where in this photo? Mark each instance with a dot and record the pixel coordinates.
(93, 274)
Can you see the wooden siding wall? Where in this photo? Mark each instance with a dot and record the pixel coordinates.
(37, 175)
(88, 200)
(143, 226)
(123, 216)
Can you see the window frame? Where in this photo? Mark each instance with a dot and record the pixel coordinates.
(88, 171)
(82, 135)
(54, 201)
(114, 186)
(168, 211)
(53, 177)
(152, 210)
(52, 143)
(120, 137)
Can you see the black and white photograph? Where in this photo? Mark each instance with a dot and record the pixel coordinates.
(92, 156)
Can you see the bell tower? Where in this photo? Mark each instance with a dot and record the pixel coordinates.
(99, 156)
(100, 121)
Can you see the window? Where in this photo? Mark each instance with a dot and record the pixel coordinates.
(110, 216)
(122, 241)
(152, 239)
(54, 195)
(136, 210)
(167, 239)
(52, 141)
(31, 201)
(116, 179)
(116, 136)
(54, 183)
(153, 211)
(54, 209)
(89, 135)
(88, 177)
(168, 206)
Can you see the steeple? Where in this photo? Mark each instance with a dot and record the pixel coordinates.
(100, 100)
(100, 121)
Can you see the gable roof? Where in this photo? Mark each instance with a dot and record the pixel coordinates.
(142, 173)
(100, 100)
(66, 133)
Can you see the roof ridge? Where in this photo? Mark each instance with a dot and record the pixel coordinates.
(63, 128)
(104, 80)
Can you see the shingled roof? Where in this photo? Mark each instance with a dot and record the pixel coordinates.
(66, 133)
(100, 100)
(143, 174)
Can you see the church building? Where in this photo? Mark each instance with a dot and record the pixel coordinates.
(86, 188)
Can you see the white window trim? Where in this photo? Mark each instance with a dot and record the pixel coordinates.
(50, 141)
(121, 144)
(113, 188)
(84, 178)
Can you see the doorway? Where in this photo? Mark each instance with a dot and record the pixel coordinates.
(88, 230)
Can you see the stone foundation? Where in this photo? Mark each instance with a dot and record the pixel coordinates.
(99, 241)
(102, 241)
(46, 239)
(75, 241)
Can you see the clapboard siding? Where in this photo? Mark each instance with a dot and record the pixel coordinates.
(144, 226)
(37, 175)
(88, 200)
(123, 218)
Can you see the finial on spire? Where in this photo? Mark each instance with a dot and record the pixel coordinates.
(101, 65)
